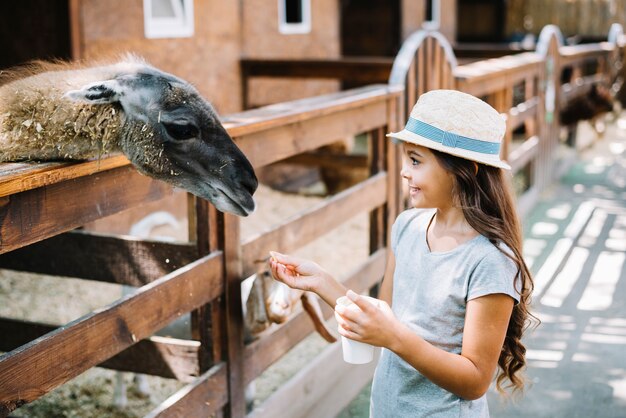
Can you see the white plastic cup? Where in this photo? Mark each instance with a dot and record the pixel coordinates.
(355, 352)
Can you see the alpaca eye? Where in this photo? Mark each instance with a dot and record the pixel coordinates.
(180, 131)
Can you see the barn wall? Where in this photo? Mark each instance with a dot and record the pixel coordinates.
(209, 59)
(587, 18)
(262, 39)
(412, 14)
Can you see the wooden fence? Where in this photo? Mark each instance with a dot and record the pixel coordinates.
(41, 205)
(527, 88)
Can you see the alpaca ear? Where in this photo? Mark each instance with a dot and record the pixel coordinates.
(101, 92)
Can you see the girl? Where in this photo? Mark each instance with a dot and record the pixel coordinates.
(456, 289)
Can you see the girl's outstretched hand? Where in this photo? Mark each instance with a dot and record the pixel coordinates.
(375, 325)
(297, 273)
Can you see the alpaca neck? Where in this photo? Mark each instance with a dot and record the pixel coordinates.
(42, 129)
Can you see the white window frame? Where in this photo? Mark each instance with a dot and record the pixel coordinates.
(180, 26)
(294, 28)
(433, 24)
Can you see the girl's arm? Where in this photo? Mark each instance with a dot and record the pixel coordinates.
(468, 374)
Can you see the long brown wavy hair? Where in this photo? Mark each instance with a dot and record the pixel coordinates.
(484, 194)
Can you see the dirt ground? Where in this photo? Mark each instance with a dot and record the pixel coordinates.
(55, 300)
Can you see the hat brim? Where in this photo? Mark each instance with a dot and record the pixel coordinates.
(487, 159)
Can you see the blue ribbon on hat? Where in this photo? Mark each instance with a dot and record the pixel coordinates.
(450, 139)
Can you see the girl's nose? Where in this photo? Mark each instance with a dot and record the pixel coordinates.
(404, 172)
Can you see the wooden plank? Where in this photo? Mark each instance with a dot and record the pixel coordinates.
(36, 214)
(522, 113)
(521, 155)
(420, 77)
(234, 316)
(158, 356)
(484, 77)
(307, 226)
(269, 146)
(99, 257)
(367, 70)
(523, 63)
(46, 363)
(324, 159)
(167, 357)
(319, 377)
(286, 113)
(377, 221)
(18, 177)
(428, 48)
(437, 68)
(531, 93)
(574, 54)
(206, 321)
(262, 353)
(202, 398)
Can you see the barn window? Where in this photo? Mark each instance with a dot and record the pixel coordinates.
(168, 18)
(433, 14)
(294, 16)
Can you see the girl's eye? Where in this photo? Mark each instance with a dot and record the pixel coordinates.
(414, 161)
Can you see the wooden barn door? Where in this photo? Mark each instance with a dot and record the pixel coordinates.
(34, 29)
(370, 27)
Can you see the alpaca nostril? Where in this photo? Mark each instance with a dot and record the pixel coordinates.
(250, 183)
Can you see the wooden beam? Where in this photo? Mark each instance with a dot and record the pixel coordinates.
(36, 214)
(278, 143)
(19, 177)
(100, 257)
(202, 398)
(36, 368)
(366, 70)
(234, 316)
(522, 113)
(297, 111)
(262, 353)
(307, 226)
(167, 357)
(328, 160)
(522, 155)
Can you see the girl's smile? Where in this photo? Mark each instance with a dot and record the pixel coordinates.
(413, 191)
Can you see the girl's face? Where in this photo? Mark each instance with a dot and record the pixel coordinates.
(430, 185)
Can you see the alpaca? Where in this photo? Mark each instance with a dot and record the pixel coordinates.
(588, 106)
(160, 122)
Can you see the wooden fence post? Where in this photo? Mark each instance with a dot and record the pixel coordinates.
(234, 316)
(550, 41)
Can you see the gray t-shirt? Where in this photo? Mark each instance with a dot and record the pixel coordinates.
(430, 294)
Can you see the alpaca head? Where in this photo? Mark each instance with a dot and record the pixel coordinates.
(171, 133)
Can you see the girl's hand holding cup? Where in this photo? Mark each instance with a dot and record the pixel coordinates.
(372, 323)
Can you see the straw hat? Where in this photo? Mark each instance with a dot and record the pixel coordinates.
(456, 123)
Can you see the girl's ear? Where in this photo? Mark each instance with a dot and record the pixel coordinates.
(100, 92)
(475, 168)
